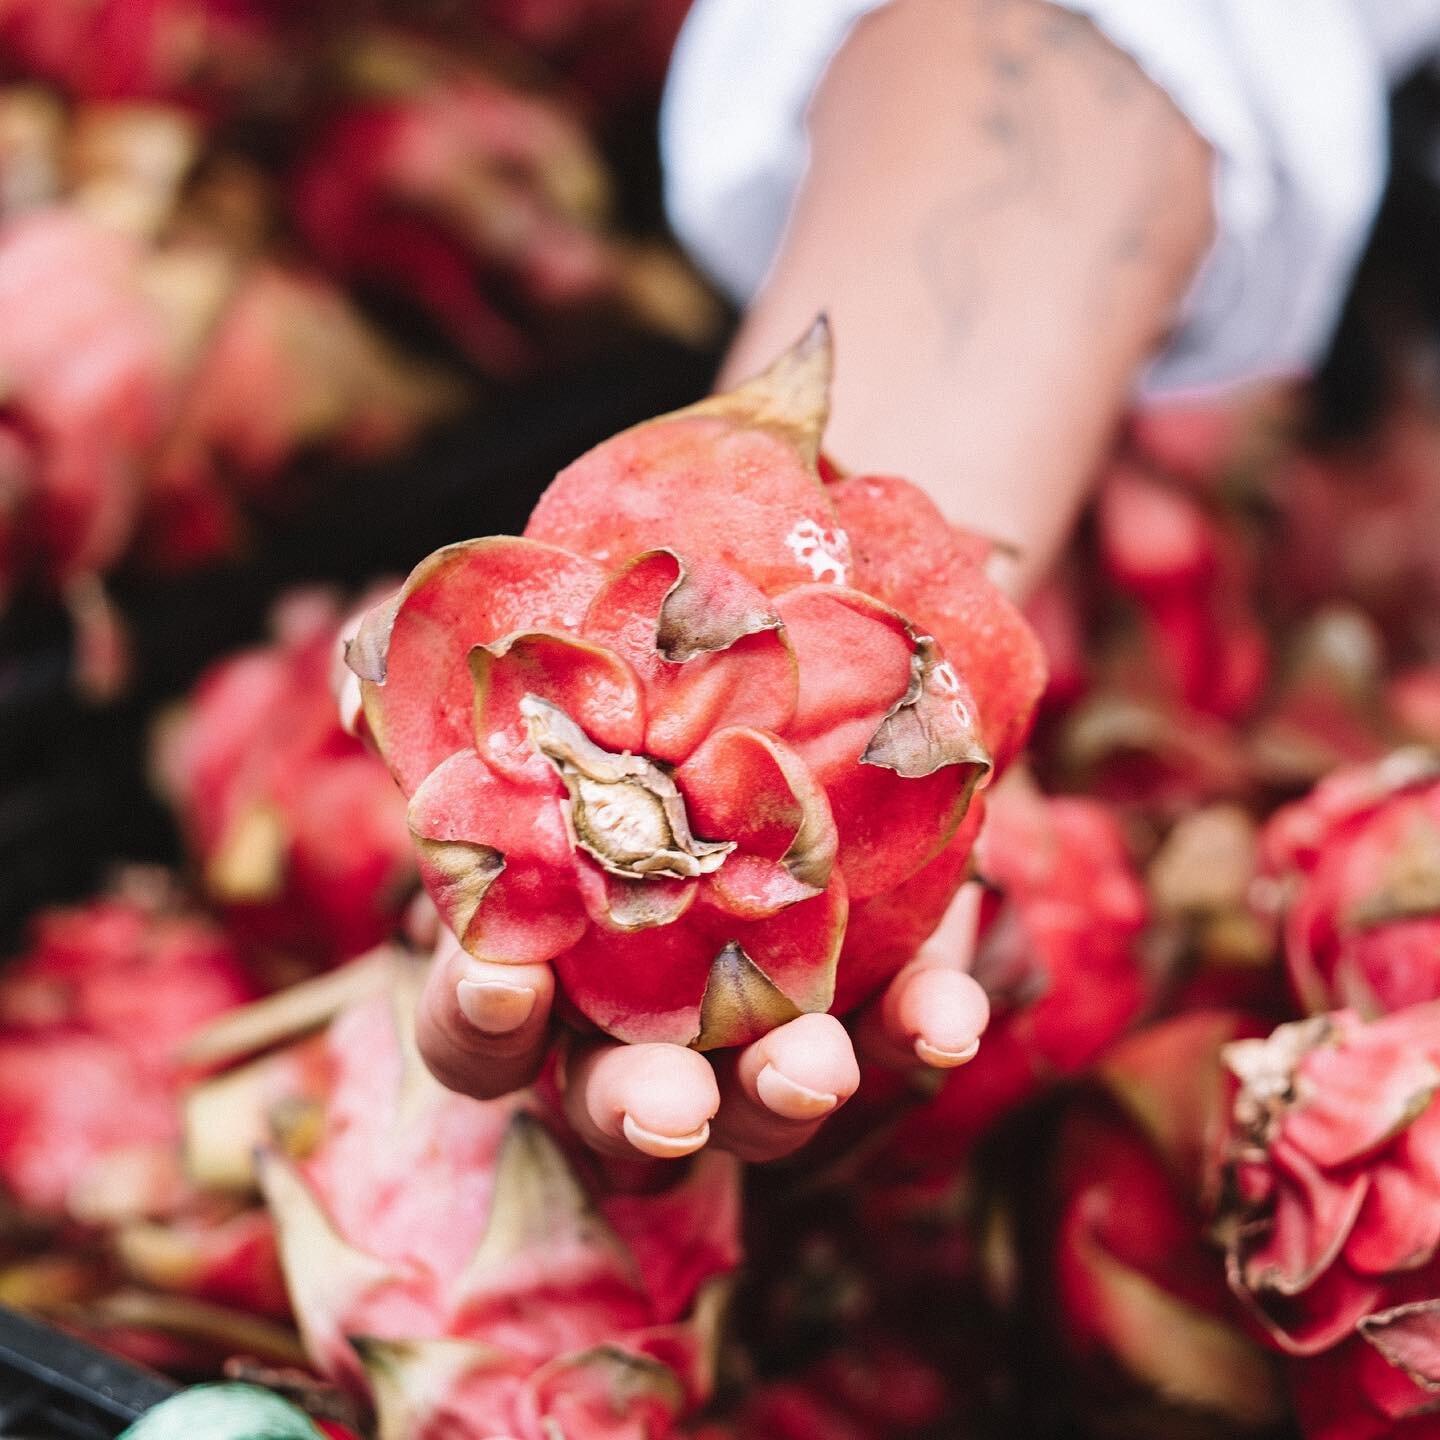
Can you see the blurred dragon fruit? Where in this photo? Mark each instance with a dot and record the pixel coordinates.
(1357, 866)
(296, 829)
(445, 1259)
(1332, 1214)
(484, 203)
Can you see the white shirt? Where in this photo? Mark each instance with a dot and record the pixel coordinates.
(1290, 94)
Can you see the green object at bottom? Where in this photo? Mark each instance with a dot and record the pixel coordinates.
(223, 1412)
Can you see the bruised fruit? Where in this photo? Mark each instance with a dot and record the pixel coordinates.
(665, 742)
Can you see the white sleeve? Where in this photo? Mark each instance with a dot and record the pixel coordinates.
(1290, 94)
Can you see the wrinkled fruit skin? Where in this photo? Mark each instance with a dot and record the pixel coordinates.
(1358, 865)
(446, 1263)
(94, 1011)
(1333, 1214)
(295, 828)
(671, 736)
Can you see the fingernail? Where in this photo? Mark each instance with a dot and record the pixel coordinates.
(493, 1006)
(945, 1059)
(790, 1099)
(664, 1147)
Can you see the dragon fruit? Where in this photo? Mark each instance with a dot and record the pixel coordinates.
(197, 51)
(473, 197)
(1357, 863)
(668, 737)
(95, 1019)
(296, 829)
(80, 1025)
(172, 375)
(1332, 1214)
(447, 1262)
(1139, 1302)
(1058, 955)
(1187, 575)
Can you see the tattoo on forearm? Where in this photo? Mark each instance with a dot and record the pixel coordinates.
(1023, 46)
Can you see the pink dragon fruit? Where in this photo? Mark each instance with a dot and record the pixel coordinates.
(296, 830)
(473, 197)
(1358, 866)
(445, 1260)
(1188, 577)
(1140, 1301)
(197, 51)
(81, 1024)
(1332, 1214)
(1058, 955)
(670, 736)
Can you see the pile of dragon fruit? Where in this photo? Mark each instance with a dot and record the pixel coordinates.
(719, 738)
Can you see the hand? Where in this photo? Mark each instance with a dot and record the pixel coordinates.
(485, 1029)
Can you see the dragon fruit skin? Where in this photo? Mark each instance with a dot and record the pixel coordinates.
(90, 384)
(1358, 865)
(296, 829)
(523, 691)
(1332, 1214)
(446, 1262)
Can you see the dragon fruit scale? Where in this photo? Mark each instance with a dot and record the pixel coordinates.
(1331, 1214)
(669, 736)
(445, 1260)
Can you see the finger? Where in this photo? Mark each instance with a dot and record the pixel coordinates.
(935, 1016)
(778, 1092)
(483, 1028)
(654, 1099)
(933, 1013)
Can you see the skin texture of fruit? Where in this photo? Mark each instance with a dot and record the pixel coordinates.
(445, 1260)
(663, 742)
(1332, 1213)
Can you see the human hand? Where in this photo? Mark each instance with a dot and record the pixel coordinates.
(486, 1029)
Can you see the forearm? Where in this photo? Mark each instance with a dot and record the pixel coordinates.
(1000, 217)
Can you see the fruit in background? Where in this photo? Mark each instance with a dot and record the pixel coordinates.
(96, 1009)
(484, 203)
(662, 742)
(1058, 955)
(1357, 866)
(443, 1256)
(200, 52)
(173, 373)
(1331, 1213)
(296, 830)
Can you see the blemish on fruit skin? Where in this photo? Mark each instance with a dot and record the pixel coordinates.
(944, 679)
(824, 552)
